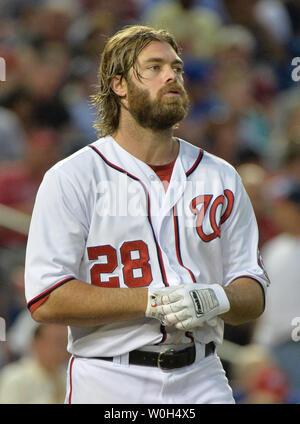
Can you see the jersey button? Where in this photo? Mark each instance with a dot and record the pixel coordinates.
(152, 177)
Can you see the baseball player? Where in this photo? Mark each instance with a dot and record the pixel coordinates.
(143, 244)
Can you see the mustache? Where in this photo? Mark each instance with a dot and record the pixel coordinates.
(172, 87)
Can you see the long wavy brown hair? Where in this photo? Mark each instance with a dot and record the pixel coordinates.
(119, 55)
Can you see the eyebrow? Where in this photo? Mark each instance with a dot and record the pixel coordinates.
(160, 60)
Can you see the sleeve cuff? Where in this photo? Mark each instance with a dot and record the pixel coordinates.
(41, 298)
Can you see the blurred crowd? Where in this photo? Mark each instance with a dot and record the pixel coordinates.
(244, 89)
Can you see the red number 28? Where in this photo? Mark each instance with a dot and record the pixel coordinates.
(135, 260)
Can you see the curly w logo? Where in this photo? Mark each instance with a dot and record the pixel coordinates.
(205, 205)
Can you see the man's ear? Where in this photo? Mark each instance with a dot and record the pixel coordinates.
(119, 86)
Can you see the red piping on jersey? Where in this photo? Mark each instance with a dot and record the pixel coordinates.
(159, 254)
(160, 259)
(71, 388)
(198, 160)
(177, 244)
(47, 293)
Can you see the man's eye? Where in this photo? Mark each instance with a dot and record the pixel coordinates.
(155, 67)
(179, 70)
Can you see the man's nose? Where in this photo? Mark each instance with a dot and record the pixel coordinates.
(171, 74)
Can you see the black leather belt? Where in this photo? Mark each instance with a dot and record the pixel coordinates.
(166, 360)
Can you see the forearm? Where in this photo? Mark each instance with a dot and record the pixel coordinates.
(80, 304)
(246, 300)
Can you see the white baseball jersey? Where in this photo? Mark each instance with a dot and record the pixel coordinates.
(103, 216)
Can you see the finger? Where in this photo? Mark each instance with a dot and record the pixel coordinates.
(157, 294)
(165, 309)
(171, 319)
(188, 324)
(163, 298)
(168, 295)
(170, 314)
(175, 317)
(174, 295)
(184, 325)
(175, 307)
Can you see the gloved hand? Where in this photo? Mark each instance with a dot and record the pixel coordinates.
(155, 299)
(188, 306)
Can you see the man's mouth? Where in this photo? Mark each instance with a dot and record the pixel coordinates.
(173, 93)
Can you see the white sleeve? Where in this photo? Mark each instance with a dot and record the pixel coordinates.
(241, 256)
(57, 236)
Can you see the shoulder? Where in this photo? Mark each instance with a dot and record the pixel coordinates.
(82, 158)
(220, 164)
(79, 165)
(197, 159)
(73, 177)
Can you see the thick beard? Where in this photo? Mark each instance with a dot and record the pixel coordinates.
(160, 114)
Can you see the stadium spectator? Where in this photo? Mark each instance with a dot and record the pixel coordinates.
(40, 376)
(255, 177)
(268, 48)
(194, 27)
(292, 161)
(273, 15)
(11, 129)
(256, 378)
(281, 258)
(19, 180)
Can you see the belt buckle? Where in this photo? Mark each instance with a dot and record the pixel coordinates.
(160, 358)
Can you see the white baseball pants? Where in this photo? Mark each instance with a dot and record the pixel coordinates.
(95, 381)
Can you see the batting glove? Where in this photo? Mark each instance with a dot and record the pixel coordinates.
(154, 309)
(189, 306)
